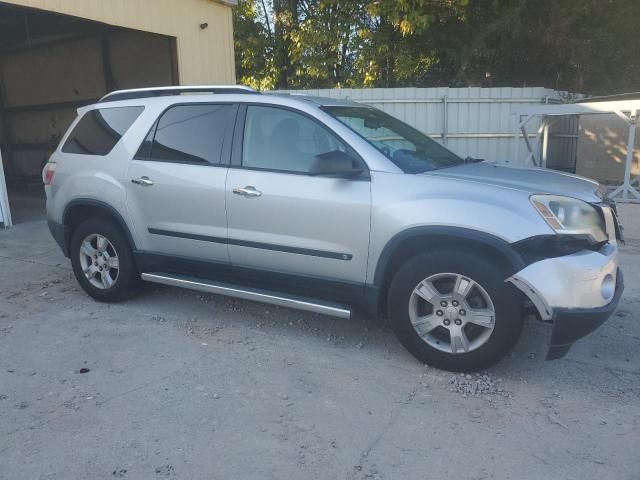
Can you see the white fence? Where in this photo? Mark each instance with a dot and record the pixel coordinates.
(476, 122)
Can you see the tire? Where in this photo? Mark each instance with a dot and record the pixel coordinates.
(490, 316)
(122, 282)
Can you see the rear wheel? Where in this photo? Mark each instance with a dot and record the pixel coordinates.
(453, 310)
(102, 261)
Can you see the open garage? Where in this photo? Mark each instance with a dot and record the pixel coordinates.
(58, 56)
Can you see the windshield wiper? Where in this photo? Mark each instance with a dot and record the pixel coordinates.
(473, 160)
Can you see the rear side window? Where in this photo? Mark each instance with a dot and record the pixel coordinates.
(99, 130)
(189, 134)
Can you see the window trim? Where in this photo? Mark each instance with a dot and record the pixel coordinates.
(225, 154)
(75, 125)
(238, 143)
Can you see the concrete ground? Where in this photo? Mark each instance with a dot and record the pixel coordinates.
(177, 384)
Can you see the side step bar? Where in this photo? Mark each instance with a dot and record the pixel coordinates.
(245, 293)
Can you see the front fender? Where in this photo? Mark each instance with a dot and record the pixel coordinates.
(417, 205)
(449, 233)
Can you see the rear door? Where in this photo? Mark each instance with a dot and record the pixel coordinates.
(283, 219)
(176, 188)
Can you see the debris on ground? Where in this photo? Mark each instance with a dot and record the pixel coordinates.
(555, 420)
(165, 470)
(480, 385)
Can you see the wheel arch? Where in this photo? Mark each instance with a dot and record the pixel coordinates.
(413, 241)
(82, 209)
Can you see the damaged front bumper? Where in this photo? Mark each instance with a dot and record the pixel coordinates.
(577, 292)
(571, 324)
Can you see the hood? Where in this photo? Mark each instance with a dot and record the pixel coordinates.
(531, 180)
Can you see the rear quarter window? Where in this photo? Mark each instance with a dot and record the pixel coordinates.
(98, 131)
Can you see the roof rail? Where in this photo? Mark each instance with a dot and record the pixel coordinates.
(162, 91)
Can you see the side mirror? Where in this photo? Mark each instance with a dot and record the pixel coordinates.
(334, 164)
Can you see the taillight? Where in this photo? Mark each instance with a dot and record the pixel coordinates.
(48, 172)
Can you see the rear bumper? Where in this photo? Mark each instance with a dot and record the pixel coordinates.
(59, 234)
(570, 324)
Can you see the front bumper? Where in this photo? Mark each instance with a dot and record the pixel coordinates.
(570, 325)
(576, 292)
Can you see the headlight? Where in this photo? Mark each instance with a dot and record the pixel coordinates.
(570, 216)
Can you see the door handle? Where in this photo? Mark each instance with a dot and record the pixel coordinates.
(247, 192)
(143, 181)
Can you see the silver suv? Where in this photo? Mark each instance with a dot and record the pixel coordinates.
(326, 205)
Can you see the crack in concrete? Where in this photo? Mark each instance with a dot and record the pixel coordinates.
(615, 371)
(364, 457)
(33, 262)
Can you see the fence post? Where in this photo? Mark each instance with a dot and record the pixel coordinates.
(515, 120)
(445, 121)
(626, 186)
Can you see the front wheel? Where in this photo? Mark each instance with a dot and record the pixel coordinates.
(453, 310)
(102, 261)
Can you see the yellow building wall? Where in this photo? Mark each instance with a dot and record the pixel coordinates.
(204, 56)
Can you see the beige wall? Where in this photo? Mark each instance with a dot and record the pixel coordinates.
(204, 56)
(602, 148)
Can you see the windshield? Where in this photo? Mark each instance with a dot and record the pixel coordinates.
(410, 150)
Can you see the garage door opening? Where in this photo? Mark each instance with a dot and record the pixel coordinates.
(52, 64)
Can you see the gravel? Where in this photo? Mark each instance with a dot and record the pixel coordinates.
(478, 385)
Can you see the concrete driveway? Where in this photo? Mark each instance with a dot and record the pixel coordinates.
(177, 384)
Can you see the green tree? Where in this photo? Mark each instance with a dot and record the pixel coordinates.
(582, 46)
(254, 45)
(286, 24)
(327, 42)
(578, 45)
(396, 52)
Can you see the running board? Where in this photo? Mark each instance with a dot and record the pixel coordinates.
(245, 293)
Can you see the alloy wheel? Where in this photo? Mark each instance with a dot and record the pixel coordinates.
(452, 313)
(99, 261)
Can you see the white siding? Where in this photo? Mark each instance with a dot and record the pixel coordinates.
(480, 121)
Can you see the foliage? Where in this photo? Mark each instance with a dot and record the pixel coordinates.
(577, 45)
(254, 50)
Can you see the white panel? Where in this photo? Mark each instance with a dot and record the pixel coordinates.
(480, 120)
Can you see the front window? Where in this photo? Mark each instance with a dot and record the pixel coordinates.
(278, 139)
(410, 150)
